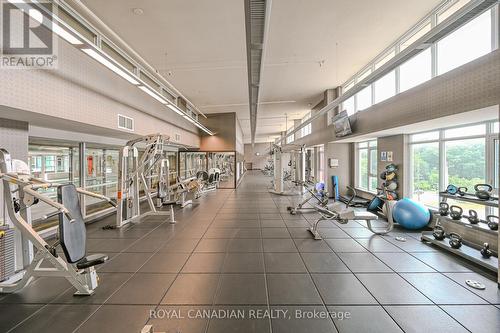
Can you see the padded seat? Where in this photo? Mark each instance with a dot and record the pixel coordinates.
(92, 260)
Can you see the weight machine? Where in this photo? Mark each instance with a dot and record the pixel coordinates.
(168, 194)
(316, 191)
(132, 173)
(29, 250)
(295, 171)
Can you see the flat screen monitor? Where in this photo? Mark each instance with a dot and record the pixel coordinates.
(342, 124)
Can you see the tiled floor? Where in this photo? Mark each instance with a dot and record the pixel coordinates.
(242, 252)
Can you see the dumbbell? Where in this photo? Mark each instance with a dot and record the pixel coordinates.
(492, 224)
(456, 212)
(485, 251)
(455, 240)
(443, 209)
(473, 218)
(438, 233)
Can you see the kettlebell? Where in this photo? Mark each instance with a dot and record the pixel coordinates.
(462, 191)
(452, 189)
(492, 224)
(438, 232)
(443, 209)
(473, 218)
(456, 212)
(485, 251)
(483, 191)
(455, 240)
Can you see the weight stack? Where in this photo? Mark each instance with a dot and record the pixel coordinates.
(7, 256)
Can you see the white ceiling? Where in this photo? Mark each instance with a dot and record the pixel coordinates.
(313, 45)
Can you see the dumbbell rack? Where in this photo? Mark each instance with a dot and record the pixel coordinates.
(471, 245)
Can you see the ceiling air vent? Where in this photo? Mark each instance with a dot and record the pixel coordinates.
(125, 122)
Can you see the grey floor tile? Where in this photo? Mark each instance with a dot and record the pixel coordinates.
(204, 263)
(342, 289)
(476, 318)
(403, 263)
(410, 320)
(242, 289)
(248, 233)
(192, 289)
(297, 319)
(246, 324)
(292, 289)
(40, 291)
(13, 314)
(245, 245)
(324, 263)
(212, 245)
(440, 289)
(300, 233)
(312, 245)
(243, 263)
(284, 263)
(275, 233)
(391, 289)
(126, 263)
(279, 245)
(363, 263)
(359, 232)
(117, 319)
(371, 319)
(491, 293)
(345, 245)
(108, 244)
(218, 232)
(443, 262)
(179, 246)
(57, 318)
(143, 288)
(332, 233)
(411, 245)
(272, 223)
(378, 244)
(109, 283)
(165, 263)
(179, 319)
(143, 245)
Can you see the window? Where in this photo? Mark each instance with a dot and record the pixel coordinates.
(457, 156)
(307, 129)
(385, 87)
(443, 15)
(321, 164)
(416, 35)
(348, 106)
(466, 44)
(50, 163)
(385, 58)
(364, 98)
(425, 173)
(415, 71)
(348, 86)
(367, 166)
(289, 139)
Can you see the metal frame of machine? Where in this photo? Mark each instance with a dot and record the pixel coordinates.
(297, 164)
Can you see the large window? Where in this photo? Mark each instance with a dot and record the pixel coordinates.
(476, 38)
(364, 98)
(457, 156)
(385, 87)
(415, 71)
(466, 44)
(307, 129)
(366, 170)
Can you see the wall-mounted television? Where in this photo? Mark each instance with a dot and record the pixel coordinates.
(342, 124)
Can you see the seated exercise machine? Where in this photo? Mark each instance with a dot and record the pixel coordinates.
(316, 191)
(343, 213)
(132, 173)
(29, 250)
(170, 194)
(206, 181)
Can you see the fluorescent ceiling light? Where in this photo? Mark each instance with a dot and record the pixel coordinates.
(110, 65)
(153, 94)
(175, 109)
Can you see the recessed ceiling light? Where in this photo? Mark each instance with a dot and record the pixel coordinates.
(138, 11)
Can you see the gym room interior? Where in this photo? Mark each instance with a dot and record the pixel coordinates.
(267, 166)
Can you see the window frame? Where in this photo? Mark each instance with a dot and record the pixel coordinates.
(371, 145)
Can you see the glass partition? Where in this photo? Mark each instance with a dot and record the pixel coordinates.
(191, 162)
(225, 162)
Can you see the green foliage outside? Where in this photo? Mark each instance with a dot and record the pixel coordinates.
(466, 165)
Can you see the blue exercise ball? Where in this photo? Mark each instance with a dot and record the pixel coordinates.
(411, 214)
